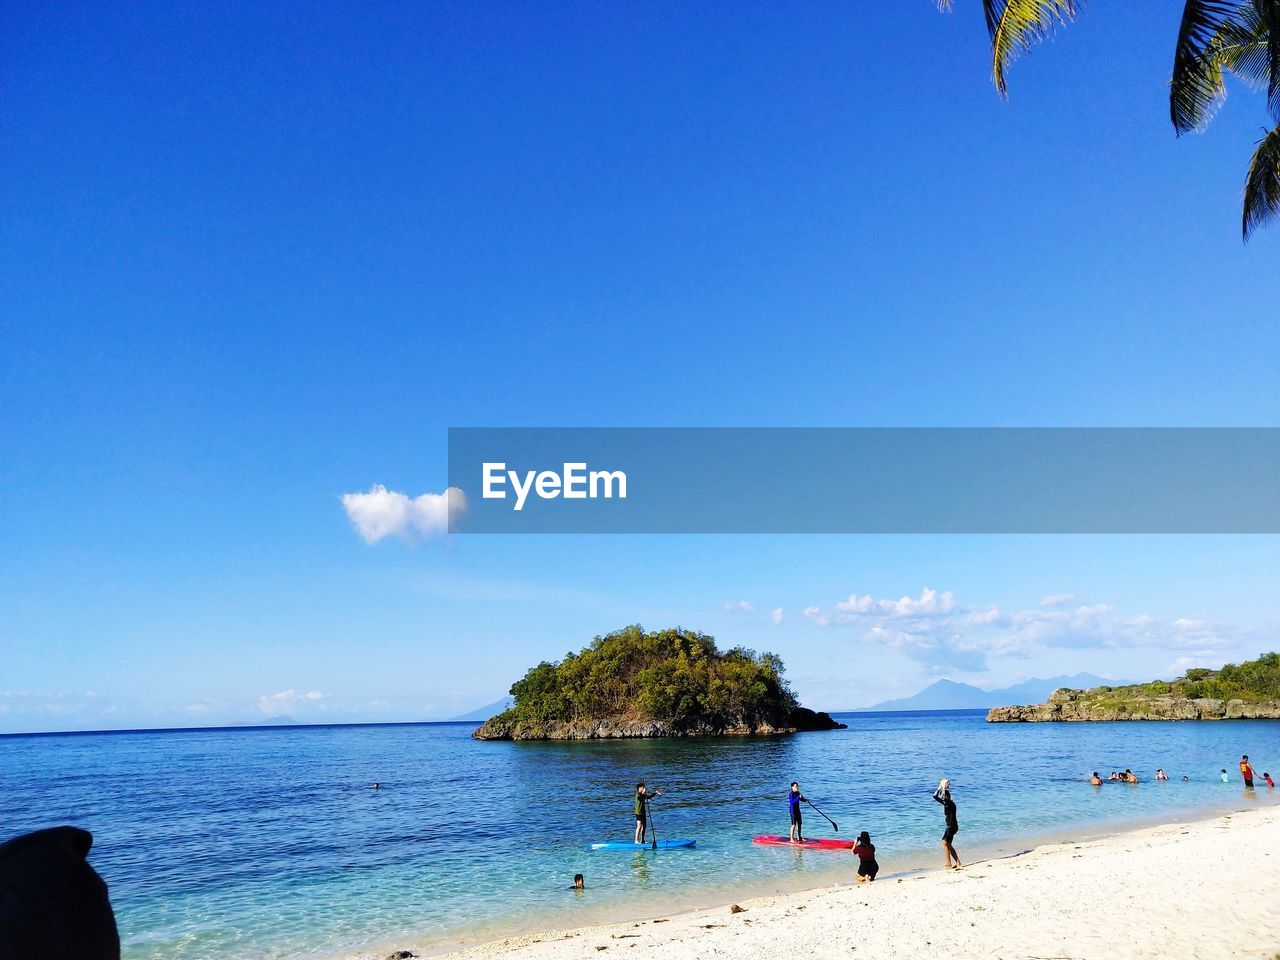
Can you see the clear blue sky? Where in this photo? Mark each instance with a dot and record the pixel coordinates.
(253, 258)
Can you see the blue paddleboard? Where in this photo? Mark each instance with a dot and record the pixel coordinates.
(625, 845)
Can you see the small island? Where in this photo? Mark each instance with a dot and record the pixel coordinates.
(670, 683)
(1245, 691)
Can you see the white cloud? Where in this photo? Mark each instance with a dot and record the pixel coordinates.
(272, 704)
(382, 513)
(929, 603)
(776, 616)
(739, 606)
(1056, 599)
(935, 630)
(816, 615)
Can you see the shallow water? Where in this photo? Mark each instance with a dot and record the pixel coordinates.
(269, 843)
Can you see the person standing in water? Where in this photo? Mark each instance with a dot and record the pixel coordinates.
(1246, 770)
(943, 796)
(794, 799)
(642, 809)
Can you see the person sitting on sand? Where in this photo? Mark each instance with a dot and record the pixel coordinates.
(1095, 780)
(943, 796)
(1161, 775)
(642, 809)
(578, 882)
(794, 799)
(866, 851)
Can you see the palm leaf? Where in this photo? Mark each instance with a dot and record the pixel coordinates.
(1197, 89)
(1262, 188)
(1018, 25)
(1269, 11)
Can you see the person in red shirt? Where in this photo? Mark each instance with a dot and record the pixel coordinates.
(1246, 770)
(866, 851)
(1267, 777)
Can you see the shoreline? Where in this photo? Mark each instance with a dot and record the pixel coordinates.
(680, 912)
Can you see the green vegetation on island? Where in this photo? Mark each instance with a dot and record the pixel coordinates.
(666, 683)
(1249, 690)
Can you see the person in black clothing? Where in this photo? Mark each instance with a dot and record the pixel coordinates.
(943, 796)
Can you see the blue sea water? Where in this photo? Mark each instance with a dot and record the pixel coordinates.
(269, 842)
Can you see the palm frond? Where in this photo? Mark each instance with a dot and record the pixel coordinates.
(1262, 188)
(1197, 90)
(1269, 10)
(1018, 25)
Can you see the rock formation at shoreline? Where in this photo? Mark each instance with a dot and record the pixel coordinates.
(502, 727)
(1245, 691)
(1076, 705)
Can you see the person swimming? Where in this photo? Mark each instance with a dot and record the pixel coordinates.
(578, 882)
(1161, 775)
(1095, 780)
(866, 853)
(1225, 778)
(1267, 777)
(1129, 776)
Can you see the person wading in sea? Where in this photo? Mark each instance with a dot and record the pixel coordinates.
(943, 796)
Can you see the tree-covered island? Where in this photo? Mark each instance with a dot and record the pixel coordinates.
(1238, 691)
(669, 683)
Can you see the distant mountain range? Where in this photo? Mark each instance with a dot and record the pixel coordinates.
(485, 712)
(949, 695)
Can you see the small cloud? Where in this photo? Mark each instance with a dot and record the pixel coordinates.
(383, 513)
(741, 606)
(285, 699)
(815, 615)
(776, 616)
(1056, 599)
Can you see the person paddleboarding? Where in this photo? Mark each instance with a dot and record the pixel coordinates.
(794, 799)
(943, 796)
(642, 809)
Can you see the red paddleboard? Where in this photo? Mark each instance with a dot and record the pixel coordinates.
(773, 841)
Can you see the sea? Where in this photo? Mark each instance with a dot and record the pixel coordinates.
(271, 843)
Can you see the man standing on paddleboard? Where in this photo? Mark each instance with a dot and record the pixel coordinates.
(642, 809)
(794, 799)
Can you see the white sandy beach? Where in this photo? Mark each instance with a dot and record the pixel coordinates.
(1199, 890)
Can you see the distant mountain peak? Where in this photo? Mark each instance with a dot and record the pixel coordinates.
(946, 694)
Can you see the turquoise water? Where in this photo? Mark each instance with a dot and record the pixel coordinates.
(269, 843)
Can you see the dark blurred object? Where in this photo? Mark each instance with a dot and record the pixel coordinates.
(52, 903)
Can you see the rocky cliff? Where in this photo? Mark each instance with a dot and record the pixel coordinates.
(1104, 703)
(503, 727)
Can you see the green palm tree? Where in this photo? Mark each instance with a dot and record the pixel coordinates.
(1216, 38)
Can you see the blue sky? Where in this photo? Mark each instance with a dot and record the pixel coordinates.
(252, 259)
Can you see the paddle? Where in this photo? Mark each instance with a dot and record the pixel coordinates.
(652, 831)
(834, 826)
